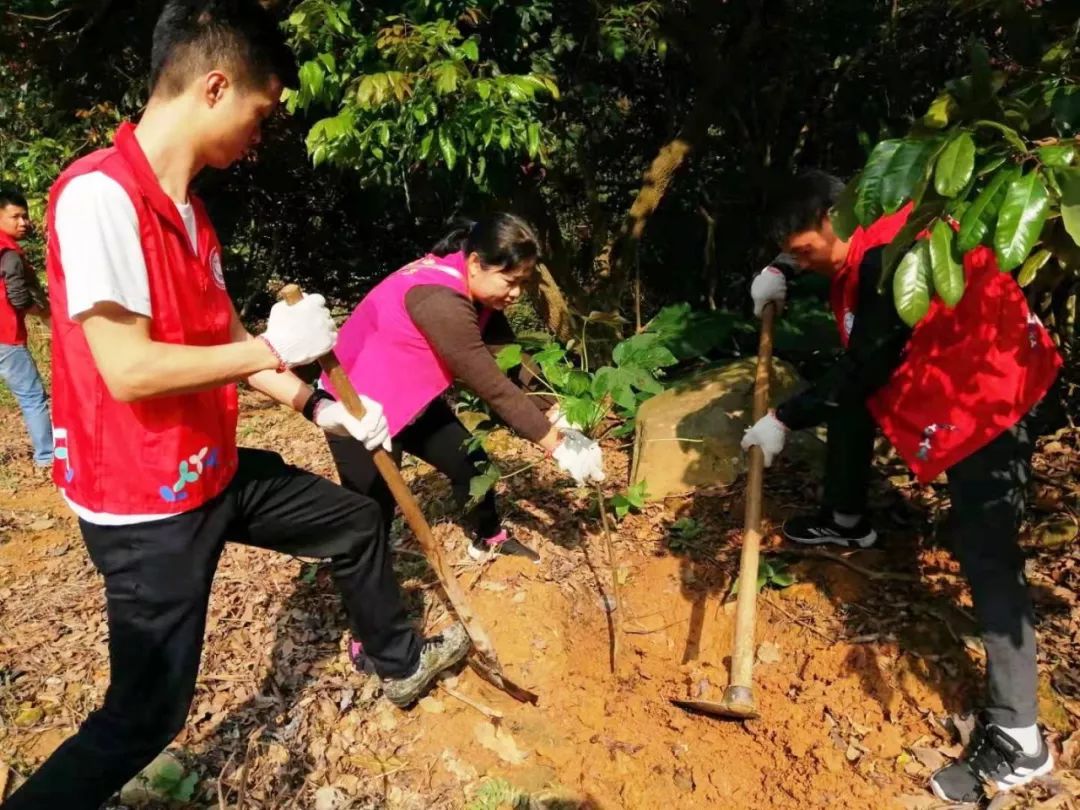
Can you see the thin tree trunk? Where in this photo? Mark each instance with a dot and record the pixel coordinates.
(672, 156)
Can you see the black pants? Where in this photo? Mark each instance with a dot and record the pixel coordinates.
(988, 490)
(436, 436)
(157, 584)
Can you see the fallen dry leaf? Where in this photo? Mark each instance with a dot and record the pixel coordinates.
(499, 741)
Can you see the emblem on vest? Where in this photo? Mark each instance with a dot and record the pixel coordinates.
(215, 268)
(927, 443)
(1033, 324)
(849, 322)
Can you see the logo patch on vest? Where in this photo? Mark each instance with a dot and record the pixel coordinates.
(215, 268)
(849, 322)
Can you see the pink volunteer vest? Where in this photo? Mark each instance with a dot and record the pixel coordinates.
(385, 355)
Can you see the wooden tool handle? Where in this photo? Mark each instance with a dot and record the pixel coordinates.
(742, 657)
(414, 516)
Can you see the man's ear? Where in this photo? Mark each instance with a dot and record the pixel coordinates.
(215, 83)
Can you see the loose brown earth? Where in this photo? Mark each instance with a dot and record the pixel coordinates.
(860, 665)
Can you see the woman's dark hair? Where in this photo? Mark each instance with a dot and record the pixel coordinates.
(500, 240)
(804, 203)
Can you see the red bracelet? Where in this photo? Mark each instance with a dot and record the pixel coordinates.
(281, 362)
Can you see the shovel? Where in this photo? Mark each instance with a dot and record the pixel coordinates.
(738, 700)
(484, 660)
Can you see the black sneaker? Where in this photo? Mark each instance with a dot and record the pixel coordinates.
(992, 756)
(502, 543)
(821, 528)
(438, 653)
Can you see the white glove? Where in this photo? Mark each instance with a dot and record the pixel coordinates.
(300, 333)
(371, 431)
(768, 433)
(579, 456)
(769, 285)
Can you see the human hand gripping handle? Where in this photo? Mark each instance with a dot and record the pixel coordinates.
(769, 285)
(300, 333)
(769, 434)
(371, 429)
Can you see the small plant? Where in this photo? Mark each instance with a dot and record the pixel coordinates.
(684, 536)
(771, 573)
(629, 500)
(170, 782)
(498, 794)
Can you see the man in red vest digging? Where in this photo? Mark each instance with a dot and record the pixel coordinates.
(147, 348)
(21, 295)
(959, 395)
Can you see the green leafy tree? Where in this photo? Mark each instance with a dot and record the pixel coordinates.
(994, 161)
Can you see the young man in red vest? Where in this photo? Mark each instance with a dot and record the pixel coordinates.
(146, 350)
(21, 295)
(957, 394)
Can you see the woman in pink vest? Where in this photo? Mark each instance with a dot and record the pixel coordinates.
(434, 320)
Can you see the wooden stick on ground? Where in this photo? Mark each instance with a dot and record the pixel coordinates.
(488, 665)
(613, 561)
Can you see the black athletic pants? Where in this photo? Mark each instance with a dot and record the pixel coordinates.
(157, 585)
(436, 436)
(988, 490)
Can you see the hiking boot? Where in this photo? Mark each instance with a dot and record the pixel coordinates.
(992, 756)
(502, 543)
(437, 654)
(822, 528)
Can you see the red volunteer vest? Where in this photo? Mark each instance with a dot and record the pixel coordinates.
(168, 454)
(968, 374)
(12, 322)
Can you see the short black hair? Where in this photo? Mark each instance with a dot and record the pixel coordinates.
(500, 240)
(803, 203)
(195, 36)
(12, 196)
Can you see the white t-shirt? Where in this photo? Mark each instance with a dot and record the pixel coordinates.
(98, 233)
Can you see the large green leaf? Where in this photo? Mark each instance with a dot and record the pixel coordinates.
(1023, 214)
(911, 284)
(868, 205)
(689, 334)
(978, 221)
(945, 264)
(508, 357)
(919, 220)
(446, 145)
(1069, 180)
(842, 214)
(1057, 155)
(955, 166)
(645, 351)
(906, 169)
